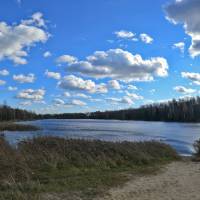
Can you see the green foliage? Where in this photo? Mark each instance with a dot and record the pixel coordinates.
(51, 165)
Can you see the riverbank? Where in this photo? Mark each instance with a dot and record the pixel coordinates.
(12, 126)
(55, 168)
(178, 180)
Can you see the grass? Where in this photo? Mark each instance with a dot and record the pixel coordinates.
(10, 126)
(55, 168)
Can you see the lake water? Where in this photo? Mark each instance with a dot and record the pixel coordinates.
(179, 135)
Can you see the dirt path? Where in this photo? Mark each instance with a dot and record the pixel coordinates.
(178, 181)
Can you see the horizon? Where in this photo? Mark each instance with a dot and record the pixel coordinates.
(76, 56)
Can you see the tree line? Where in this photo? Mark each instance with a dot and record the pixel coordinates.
(182, 110)
(14, 114)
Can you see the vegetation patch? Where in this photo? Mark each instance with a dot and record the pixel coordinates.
(66, 168)
(197, 150)
(8, 126)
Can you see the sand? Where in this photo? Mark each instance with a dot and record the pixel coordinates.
(177, 181)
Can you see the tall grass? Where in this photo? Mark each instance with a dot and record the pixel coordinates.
(51, 165)
(10, 126)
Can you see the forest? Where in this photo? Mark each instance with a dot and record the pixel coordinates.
(181, 110)
(14, 114)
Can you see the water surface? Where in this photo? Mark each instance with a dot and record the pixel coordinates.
(179, 135)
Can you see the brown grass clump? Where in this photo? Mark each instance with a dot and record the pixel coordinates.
(48, 165)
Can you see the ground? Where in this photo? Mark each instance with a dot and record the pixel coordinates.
(177, 181)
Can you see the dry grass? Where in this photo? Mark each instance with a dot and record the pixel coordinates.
(59, 167)
(10, 126)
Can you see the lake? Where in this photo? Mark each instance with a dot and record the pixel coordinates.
(181, 136)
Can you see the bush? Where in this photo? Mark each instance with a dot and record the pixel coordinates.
(197, 148)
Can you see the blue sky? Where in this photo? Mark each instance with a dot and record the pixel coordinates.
(82, 56)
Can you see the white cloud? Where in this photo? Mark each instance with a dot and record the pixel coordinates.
(194, 77)
(36, 19)
(134, 96)
(120, 65)
(30, 94)
(81, 95)
(184, 90)
(58, 102)
(186, 12)
(128, 99)
(54, 75)
(114, 84)
(67, 59)
(67, 94)
(72, 82)
(180, 46)
(16, 39)
(2, 82)
(21, 78)
(47, 54)
(132, 87)
(4, 72)
(124, 34)
(146, 38)
(11, 88)
(25, 103)
(76, 102)
(101, 88)
(123, 100)
(75, 83)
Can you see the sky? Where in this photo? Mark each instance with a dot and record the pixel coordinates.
(89, 55)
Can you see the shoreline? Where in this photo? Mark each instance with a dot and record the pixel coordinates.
(178, 180)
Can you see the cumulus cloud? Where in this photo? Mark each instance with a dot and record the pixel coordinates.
(47, 54)
(180, 46)
(123, 34)
(75, 83)
(4, 72)
(21, 78)
(30, 94)
(54, 75)
(36, 19)
(194, 77)
(2, 82)
(129, 99)
(120, 65)
(16, 39)
(114, 84)
(186, 12)
(184, 90)
(66, 59)
(146, 38)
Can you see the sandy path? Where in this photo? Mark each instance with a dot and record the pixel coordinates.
(178, 181)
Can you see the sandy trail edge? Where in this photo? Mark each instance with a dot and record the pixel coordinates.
(177, 181)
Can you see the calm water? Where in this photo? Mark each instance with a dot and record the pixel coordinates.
(180, 135)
